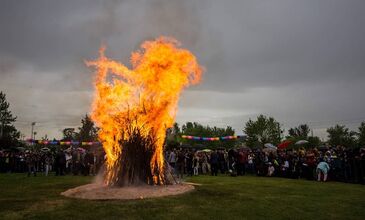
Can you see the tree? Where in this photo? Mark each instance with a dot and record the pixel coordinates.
(8, 133)
(340, 135)
(173, 136)
(196, 129)
(314, 141)
(69, 134)
(301, 131)
(361, 134)
(263, 130)
(87, 131)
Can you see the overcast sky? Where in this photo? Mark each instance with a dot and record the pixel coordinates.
(298, 61)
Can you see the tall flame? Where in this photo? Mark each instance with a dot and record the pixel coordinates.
(148, 91)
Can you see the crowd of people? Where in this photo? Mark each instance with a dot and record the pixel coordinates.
(334, 163)
(75, 161)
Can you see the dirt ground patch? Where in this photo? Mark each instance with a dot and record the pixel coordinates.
(96, 191)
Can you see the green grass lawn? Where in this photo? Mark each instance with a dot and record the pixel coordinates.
(219, 197)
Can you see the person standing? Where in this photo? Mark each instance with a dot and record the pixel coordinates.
(91, 160)
(222, 161)
(30, 161)
(205, 168)
(250, 159)
(242, 160)
(47, 163)
(311, 164)
(270, 169)
(180, 163)
(68, 166)
(76, 162)
(214, 163)
(60, 161)
(189, 163)
(172, 159)
(196, 164)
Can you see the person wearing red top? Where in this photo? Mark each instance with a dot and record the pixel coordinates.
(242, 160)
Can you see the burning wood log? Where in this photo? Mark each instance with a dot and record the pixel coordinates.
(133, 165)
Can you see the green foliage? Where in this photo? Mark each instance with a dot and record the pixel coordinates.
(263, 130)
(69, 134)
(314, 141)
(361, 134)
(8, 133)
(196, 129)
(87, 131)
(301, 133)
(340, 135)
(173, 136)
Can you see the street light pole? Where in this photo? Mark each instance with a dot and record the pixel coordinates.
(31, 134)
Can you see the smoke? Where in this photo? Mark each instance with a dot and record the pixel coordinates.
(99, 178)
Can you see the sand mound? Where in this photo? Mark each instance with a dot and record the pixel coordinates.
(96, 191)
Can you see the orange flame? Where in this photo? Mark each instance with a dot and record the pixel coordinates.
(150, 90)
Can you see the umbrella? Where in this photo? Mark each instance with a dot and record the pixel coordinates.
(207, 150)
(243, 149)
(269, 145)
(284, 144)
(20, 148)
(269, 150)
(81, 149)
(301, 142)
(45, 149)
(323, 147)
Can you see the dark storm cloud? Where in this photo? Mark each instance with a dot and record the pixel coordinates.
(300, 61)
(275, 43)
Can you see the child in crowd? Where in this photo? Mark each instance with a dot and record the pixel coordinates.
(270, 169)
(322, 169)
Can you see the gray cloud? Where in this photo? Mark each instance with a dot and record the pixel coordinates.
(300, 61)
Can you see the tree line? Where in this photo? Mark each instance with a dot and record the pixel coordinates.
(10, 136)
(263, 129)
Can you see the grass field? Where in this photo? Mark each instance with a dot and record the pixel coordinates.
(219, 197)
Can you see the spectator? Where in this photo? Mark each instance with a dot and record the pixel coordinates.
(196, 164)
(172, 159)
(242, 160)
(189, 163)
(214, 163)
(47, 163)
(270, 169)
(180, 163)
(31, 161)
(60, 163)
(322, 170)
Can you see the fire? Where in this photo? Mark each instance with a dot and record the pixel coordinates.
(144, 97)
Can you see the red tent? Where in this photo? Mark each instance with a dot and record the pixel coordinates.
(284, 144)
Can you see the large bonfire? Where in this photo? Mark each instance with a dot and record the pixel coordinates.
(134, 107)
